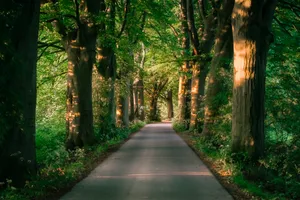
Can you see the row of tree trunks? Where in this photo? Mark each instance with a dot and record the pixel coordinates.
(201, 49)
(219, 68)
(154, 94)
(251, 25)
(18, 90)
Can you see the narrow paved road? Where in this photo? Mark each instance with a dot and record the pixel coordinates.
(154, 164)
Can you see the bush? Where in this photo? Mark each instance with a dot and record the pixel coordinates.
(179, 126)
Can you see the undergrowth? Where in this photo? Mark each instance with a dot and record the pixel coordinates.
(275, 177)
(58, 168)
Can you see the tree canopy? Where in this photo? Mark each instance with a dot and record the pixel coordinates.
(76, 75)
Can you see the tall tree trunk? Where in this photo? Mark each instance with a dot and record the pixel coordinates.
(219, 67)
(251, 40)
(122, 107)
(141, 100)
(111, 100)
(80, 45)
(125, 111)
(18, 90)
(122, 111)
(170, 104)
(131, 101)
(136, 98)
(199, 67)
(153, 112)
(183, 92)
(106, 60)
(141, 85)
(79, 88)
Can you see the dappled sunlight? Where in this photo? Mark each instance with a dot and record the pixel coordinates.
(240, 9)
(244, 61)
(142, 175)
(195, 86)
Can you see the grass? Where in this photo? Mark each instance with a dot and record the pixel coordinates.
(59, 169)
(263, 180)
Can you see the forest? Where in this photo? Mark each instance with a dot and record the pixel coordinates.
(77, 78)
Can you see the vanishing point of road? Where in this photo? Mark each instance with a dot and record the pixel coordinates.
(155, 164)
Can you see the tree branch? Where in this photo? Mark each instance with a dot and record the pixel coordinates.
(46, 79)
(281, 25)
(53, 44)
(77, 17)
(125, 18)
(174, 30)
(202, 10)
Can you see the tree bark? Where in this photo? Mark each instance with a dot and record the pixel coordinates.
(154, 94)
(223, 52)
(184, 89)
(80, 45)
(131, 101)
(141, 101)
(199, 66)
(170, 104)
(122, 112)
(79, 88)
(106, 60)
(122, 108)
(251, 40)
(153, 112)
(136, 94)
(18, 90)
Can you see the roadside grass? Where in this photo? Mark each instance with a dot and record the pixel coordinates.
(242, 178)
(60, 169)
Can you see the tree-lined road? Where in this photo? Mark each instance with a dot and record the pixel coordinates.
(154, 164)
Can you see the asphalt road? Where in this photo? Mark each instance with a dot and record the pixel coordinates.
(154, 164)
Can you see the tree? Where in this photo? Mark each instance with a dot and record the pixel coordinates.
(138, 86)
(19, 32)
(251, 25)
(184, 80)
(169, 100)
(201, 49)
(217, 91)
(78, 31)
(154, 93)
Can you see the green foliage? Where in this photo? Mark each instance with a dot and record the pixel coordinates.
(58, 168)
(178, 127)
(51, 140)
